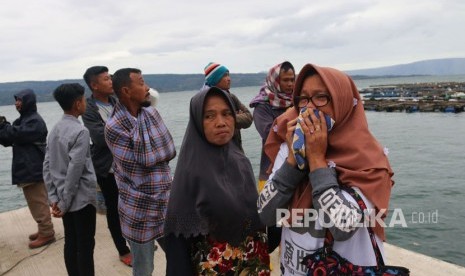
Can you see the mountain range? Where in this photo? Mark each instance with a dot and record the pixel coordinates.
(446, 66)
(184, 82)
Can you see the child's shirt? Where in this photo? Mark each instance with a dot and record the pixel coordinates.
(68, 171)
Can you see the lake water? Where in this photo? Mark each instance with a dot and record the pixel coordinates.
(426, 150)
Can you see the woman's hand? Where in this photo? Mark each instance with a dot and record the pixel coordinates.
(316, 139)
(289, 140)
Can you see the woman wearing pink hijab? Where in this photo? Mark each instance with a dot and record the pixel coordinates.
(347, 156)
(273, 99)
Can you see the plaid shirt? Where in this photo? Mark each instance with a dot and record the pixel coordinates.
(141, 149)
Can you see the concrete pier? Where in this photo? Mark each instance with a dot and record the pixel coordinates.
(17, 259)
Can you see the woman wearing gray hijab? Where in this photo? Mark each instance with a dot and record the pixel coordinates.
(212, 224)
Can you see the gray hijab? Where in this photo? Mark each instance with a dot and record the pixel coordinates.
(213, 191)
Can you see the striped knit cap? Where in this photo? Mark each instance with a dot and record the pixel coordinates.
(214, 72)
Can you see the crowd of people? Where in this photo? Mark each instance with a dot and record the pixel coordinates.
(212, 216)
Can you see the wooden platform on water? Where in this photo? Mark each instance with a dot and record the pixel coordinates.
(410, 106)
(17, 259)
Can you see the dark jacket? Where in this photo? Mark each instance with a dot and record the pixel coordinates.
(27, 135)
(263, 117)
(101, 154)
(243, 120)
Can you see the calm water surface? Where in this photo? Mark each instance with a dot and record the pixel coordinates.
(426, 151)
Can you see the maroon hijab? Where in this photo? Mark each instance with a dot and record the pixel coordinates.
(359, 158)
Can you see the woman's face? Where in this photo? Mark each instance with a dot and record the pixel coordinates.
(315, 88)
(218, 120)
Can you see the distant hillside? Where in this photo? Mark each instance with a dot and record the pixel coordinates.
(185, 82)
(161, 82)
(447, 66)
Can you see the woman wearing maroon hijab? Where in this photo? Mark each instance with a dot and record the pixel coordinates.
(347, 156)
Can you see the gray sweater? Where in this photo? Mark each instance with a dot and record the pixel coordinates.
(68, 171)
(339, 213)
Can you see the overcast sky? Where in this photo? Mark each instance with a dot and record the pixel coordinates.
(59, 39)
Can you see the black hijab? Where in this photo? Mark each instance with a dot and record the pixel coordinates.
(213, 190)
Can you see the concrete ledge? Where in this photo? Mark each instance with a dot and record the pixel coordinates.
(17, 259)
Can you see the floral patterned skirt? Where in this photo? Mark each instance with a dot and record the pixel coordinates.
(250, 257)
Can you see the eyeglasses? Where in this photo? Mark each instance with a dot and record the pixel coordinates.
(317, 100)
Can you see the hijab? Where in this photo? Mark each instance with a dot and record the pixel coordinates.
(271, 92)
(358, 157)
(213, 191)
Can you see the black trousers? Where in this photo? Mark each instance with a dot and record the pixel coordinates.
(79, 229)
(178, 256)
(110, 194)
(274, 237)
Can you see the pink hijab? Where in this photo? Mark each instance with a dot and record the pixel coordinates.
(271, 92)
(359, 158)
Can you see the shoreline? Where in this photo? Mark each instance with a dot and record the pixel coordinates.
(17, 259)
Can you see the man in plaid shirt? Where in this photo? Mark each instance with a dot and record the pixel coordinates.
(141, 146)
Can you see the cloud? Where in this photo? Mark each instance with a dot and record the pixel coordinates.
(53, 39)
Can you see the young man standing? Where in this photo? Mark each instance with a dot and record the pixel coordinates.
(27, 135)
(71, 182)
(218, 75)
(99, 108)
(142, 146)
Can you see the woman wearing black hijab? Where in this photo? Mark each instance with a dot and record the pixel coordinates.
(212, 224)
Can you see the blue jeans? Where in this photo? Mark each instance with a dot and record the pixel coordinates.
(143, 255)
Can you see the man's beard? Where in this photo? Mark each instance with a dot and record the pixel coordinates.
(146, 103)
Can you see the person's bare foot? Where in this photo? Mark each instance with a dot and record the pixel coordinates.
(126, 259)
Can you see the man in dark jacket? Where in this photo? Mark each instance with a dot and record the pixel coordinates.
(218, 75)
(99, 108)
(27, 135)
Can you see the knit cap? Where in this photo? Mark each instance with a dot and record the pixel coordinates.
(214, 72)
